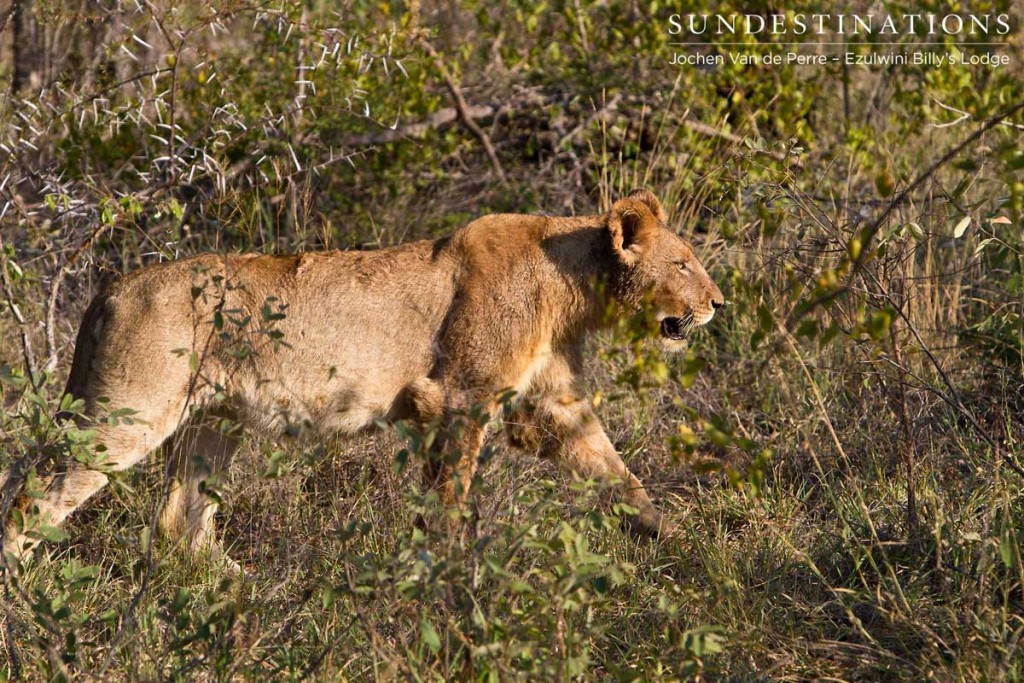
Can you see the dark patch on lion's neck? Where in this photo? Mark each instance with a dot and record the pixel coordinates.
(592, 274)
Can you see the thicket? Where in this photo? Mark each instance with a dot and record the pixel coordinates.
(841, 447)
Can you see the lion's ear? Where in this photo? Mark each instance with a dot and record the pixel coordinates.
(647, 197)
(628, 221)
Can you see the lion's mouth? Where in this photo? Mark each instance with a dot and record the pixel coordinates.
(674, 328)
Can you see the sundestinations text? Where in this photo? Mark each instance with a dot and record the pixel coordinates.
(839, 24)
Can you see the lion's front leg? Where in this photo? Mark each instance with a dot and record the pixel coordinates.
(575, 439)
(450, 467)
(452, 462)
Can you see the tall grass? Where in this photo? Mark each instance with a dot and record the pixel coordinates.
(838, 446)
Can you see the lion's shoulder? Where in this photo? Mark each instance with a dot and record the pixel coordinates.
(512, 237)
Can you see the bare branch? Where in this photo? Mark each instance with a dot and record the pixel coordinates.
(872, 231)
(964, 116)
(464, 112)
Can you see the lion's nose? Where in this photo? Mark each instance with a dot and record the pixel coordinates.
(717, 298)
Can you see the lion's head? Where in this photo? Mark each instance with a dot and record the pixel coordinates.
(658, 268)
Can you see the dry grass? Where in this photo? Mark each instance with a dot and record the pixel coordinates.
(842, 472)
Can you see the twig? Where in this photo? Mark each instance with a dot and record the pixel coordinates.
(172, 109)
(954, 396)
(964, 116)
(464, 112)
(298, 102)
(26, 342)
(910, 447)
(599, 115)
(871, 232)
(439, 118)
(712, 132)
(109, 89)
(8, 14)
(12, 649)
(582, 26)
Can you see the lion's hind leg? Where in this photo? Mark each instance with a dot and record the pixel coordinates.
(71, 483)
(131, 401)
(201, 454)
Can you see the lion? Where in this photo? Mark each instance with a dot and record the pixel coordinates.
(335, 342)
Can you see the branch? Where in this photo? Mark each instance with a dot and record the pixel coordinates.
(26, 342)
(954, 396)
(8, 14)
(871, 232)
(601, 114)
(439, 118)
(964, 116)
(464, 112)
(712, 132)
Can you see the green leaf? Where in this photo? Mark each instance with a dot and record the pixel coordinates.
(878, 325)
(429, 637)
(177, 209)
(1006, 547)
(808, 328)
(765, 319)
(50, 533)
(693, 366)
(659, 372)
(328, 596)
(703, 640)
(961, 227)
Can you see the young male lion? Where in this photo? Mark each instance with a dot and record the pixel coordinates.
(332, 342)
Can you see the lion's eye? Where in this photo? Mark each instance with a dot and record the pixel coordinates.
(682, 266)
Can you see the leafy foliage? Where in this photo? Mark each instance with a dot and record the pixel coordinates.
(841, 446)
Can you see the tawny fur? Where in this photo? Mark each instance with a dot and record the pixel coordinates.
(331, 342)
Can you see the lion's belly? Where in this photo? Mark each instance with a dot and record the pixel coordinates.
(327, 384)
(342, 405)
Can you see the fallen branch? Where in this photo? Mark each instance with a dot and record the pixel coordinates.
(599, 115)
(470, 114)
(420, 129)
